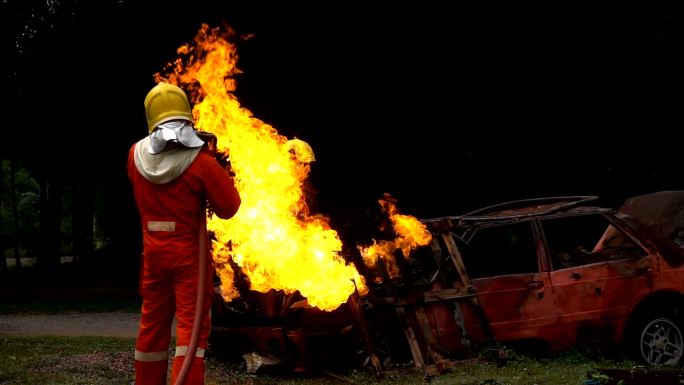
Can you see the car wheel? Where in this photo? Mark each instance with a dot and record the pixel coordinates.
(661, 342)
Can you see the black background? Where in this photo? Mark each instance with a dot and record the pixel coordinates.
(446, 106)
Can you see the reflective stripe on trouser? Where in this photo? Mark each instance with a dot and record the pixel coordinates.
(183, 351)
(196, 374)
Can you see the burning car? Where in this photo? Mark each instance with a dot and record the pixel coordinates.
(558, 271)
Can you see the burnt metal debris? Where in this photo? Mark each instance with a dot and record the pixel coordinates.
(638, 375)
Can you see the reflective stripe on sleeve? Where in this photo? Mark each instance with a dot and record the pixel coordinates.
(183, 350)
(151, 356)
(161, 226)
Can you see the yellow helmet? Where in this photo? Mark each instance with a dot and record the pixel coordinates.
(166, 102)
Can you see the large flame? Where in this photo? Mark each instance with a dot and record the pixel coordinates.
(410, 234)
(274, 238)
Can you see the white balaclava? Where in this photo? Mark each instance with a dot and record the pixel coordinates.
(180, 131)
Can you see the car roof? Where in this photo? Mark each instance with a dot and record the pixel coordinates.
(550, 207)
(524, 208)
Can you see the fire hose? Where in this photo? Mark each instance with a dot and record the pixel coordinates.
(211, 145)
(199, 305)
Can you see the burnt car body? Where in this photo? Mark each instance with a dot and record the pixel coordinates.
(556, 271)
(563, 272)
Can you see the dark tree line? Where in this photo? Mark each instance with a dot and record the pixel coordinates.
(72, 116)
(446, 108)
(74, 75)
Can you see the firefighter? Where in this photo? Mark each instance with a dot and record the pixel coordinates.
(173, 177)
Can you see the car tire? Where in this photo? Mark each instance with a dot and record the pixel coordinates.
(658, 339)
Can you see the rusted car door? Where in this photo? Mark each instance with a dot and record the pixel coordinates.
(503, 263)
(598, 271)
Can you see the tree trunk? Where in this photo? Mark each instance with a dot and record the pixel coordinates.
(76, 218)
(50, 196)
(15, 211)
(82, 216)
(3, 260)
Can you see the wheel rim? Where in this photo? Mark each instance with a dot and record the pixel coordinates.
(662, 342)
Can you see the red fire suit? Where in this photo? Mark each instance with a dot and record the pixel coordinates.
(170, 217)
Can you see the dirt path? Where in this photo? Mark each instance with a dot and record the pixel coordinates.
(116, 324)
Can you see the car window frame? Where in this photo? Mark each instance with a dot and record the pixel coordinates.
(610, 218)
(470, 234)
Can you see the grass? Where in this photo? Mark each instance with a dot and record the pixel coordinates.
(65, 361)
(105, 361)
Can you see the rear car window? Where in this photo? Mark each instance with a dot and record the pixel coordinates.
(581, 240)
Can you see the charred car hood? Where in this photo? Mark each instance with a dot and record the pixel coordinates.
(661, 216)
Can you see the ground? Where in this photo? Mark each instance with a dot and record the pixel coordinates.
(117, 324)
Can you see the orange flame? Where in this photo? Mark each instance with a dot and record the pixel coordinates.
(410, 232)
(273, 238)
